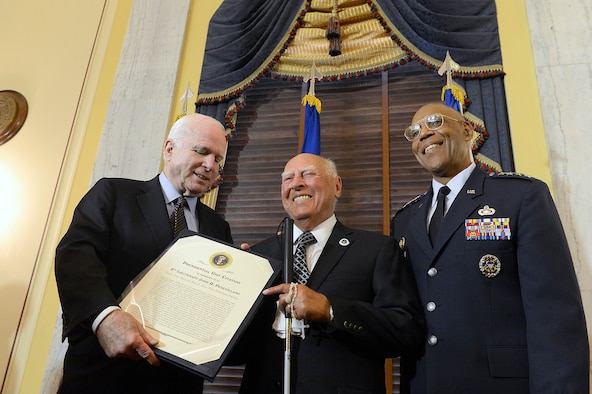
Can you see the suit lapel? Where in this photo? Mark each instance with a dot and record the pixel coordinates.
(205, 226)
(152, 204)
(417, 224)
(331, 255)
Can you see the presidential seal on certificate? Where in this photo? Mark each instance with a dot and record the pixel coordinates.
(197, 298)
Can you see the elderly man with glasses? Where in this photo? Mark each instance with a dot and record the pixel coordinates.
(494, 273)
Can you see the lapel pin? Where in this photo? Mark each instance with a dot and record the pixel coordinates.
(344, 242)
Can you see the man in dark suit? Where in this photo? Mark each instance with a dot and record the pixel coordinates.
(360, 302)
(118, 228)
(503, 306)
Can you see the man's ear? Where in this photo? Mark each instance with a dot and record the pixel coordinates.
(168, 147)
(468, 131)
(338, 186)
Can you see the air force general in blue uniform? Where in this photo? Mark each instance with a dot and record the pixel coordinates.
(501, 297)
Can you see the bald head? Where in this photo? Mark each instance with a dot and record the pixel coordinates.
(437, 107)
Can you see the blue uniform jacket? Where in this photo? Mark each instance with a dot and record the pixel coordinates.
(500, 293)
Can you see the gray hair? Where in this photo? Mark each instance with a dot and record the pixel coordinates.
(188, 123)
(331, 167)
(179, 130)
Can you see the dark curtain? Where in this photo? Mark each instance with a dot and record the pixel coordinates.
(466, 28)
(247, 38)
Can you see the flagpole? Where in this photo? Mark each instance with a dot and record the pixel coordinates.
(288, 264)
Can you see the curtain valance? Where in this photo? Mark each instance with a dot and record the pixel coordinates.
(250, 40)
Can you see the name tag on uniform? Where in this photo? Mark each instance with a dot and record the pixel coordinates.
(489, 229)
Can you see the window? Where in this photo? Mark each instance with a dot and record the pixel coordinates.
(365, 142)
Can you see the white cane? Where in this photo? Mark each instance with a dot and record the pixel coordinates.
(288, 266)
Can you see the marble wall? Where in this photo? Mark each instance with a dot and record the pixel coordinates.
(561, 33)
(138, 115)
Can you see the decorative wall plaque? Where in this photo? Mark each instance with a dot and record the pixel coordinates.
(13, 112)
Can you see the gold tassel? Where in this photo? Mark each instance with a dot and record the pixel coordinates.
(334, 32)
(333, 28)
(335, 46)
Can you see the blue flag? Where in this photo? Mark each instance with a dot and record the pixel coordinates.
(312, 125)
(453, 97)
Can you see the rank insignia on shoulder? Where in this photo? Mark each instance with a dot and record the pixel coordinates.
(490, 265)
(490, 229)
(509, 174)
(414, 200)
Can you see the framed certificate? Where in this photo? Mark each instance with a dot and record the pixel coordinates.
(197, 298)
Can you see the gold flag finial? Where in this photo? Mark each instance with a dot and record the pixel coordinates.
(452, 93)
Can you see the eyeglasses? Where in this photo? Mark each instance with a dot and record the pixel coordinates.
(432, 122)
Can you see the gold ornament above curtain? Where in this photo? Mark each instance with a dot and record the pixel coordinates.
(363, 42)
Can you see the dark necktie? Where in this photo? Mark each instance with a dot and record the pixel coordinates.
(178, 222)
(301, 272)
(438, 215)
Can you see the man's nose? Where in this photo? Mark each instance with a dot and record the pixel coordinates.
(297, 182)
(209, 162)
(424, 131)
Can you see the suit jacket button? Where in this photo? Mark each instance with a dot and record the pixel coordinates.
(431, 306)
(433, 272)
(432, 340)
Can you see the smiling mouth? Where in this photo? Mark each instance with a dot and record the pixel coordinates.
(200, 176)
(430, 147)
(301, 198)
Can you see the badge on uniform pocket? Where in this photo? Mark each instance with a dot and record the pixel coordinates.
(490, 265)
